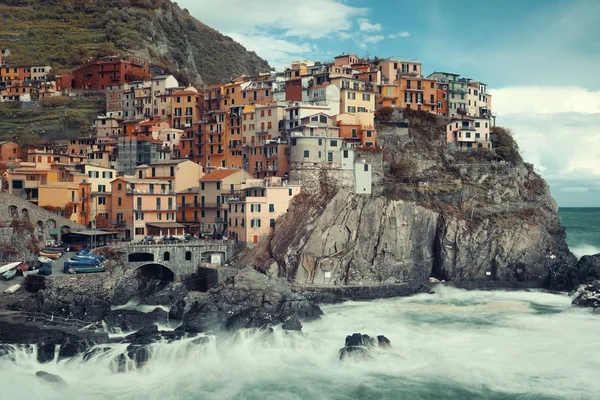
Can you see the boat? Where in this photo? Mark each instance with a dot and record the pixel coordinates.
(52, 251)
(90, 255)
(23, 267)
(84, 261)
(74, 264)
(13, 289)
(77, 270)
(54, 256)
(32, 272)
(9, 266)
(9, 274)
(45, 260)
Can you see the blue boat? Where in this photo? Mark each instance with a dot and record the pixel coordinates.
(84, 260)
(72, 265)
(90, 255)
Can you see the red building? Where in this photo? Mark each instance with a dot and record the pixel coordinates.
(107, 71)
(64, 83)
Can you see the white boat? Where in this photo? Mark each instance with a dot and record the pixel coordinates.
(32, 272)
(9, 266)
(13, 289)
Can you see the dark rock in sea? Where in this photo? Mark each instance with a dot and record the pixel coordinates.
(132, 320)
(567, 277)
(51, 378)
(145, 335)
(46, 352)
(119, 363)
(587, 295)
(292, 324)
(248, 300)
(359, 346)
(70, 348)
(140, 354)
(96, 351)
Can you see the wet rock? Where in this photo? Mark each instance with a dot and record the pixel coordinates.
(119, 364)
(248, 300)
(292, 324)
(132, 320)
(51, 378)
(96, 351)
(46, 353)
(68, 350)
(359, 346)
(587, 295)
(145, 335)
(140, 354)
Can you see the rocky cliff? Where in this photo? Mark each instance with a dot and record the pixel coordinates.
(66, 33)
(476, 215)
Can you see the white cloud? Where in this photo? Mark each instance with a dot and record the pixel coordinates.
(373, 39)
(399, 35)
(558, 130)
(311, 19)
(366, 26)
(278, 51)
(344, 35)
(545, 100)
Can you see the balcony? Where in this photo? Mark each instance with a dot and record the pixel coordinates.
(150, 192)
(188, 206)
(217, 206)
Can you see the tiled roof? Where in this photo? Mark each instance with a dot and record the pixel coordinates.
(219, 174)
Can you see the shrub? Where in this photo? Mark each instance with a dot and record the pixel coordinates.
(505, 145)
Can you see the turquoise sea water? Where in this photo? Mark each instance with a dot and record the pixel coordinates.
(583, 229)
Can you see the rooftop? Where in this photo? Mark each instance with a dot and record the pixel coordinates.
(219, 174)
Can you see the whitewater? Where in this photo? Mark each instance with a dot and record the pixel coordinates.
(453, 344)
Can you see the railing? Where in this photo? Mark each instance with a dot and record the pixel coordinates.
(154, 192)
(213, 205)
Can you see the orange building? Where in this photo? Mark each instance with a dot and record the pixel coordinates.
(185, 107)
(112, 70)
(9, 151)
(188, 209)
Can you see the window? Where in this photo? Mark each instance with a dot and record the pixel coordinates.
(139, 231)
(271, 207)
(306, 153)
(167, 256)
(218, 185)
(201, 185)
(366, 97)
(345, 153)
(351, 95)
(272, 223)
(351, 109)
(119, 201)
(366, 167)
(188, 255)
(293, 142)
(477, 124)
(101, 200)
(333, 143)
(369, 133)
(290, 192)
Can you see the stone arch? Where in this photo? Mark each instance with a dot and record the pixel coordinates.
(50, 224)
(155, 271)
(64, 229)
(25, 214)
(13, 211)
(140, 257)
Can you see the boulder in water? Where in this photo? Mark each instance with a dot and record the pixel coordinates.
(51, 378)
(292, 324)
(587, 295)
(45, 353)
(359, 346)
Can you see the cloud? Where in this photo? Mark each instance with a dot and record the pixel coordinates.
(312, 19)
(366, 26)
(545, 100)
(344, 35)
(278, 51)
(399, 35)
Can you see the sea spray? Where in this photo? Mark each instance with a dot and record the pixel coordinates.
(451, 344)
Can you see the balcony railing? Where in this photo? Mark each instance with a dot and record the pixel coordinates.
(150, 192)
(213, 205)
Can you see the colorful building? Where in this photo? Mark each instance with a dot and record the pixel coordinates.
(108, 71)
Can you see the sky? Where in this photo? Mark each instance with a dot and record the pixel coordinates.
(540, 59)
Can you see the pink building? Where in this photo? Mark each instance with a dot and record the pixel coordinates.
(469, 133)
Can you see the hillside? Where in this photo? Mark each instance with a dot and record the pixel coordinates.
(66, 33)
(475, 216)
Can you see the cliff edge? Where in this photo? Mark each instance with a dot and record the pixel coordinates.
(435, 212)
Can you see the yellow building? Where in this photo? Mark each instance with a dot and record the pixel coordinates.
(254, 206)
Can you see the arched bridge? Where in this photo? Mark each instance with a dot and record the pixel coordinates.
(182, 258)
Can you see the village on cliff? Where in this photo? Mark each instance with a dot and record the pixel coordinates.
(225, 161)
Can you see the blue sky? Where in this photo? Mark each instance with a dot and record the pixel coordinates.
(541, 59)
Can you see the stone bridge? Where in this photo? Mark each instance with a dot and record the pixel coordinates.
(174, 261)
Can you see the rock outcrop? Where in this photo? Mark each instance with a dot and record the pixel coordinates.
(358, 345)
(451, 215)
(587, 295)
(248, 300)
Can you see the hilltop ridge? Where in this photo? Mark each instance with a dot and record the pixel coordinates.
(65, 33)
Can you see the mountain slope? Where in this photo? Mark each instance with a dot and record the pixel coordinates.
(66, 33)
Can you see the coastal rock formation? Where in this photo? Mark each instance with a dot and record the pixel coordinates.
(587, 295)
(248, 300)
(451, 215)
(358, 345)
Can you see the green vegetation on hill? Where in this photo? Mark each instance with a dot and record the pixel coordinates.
(54, 119)
(66, 33)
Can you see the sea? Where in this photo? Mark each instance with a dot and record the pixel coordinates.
(583, 229)
(453, 344)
